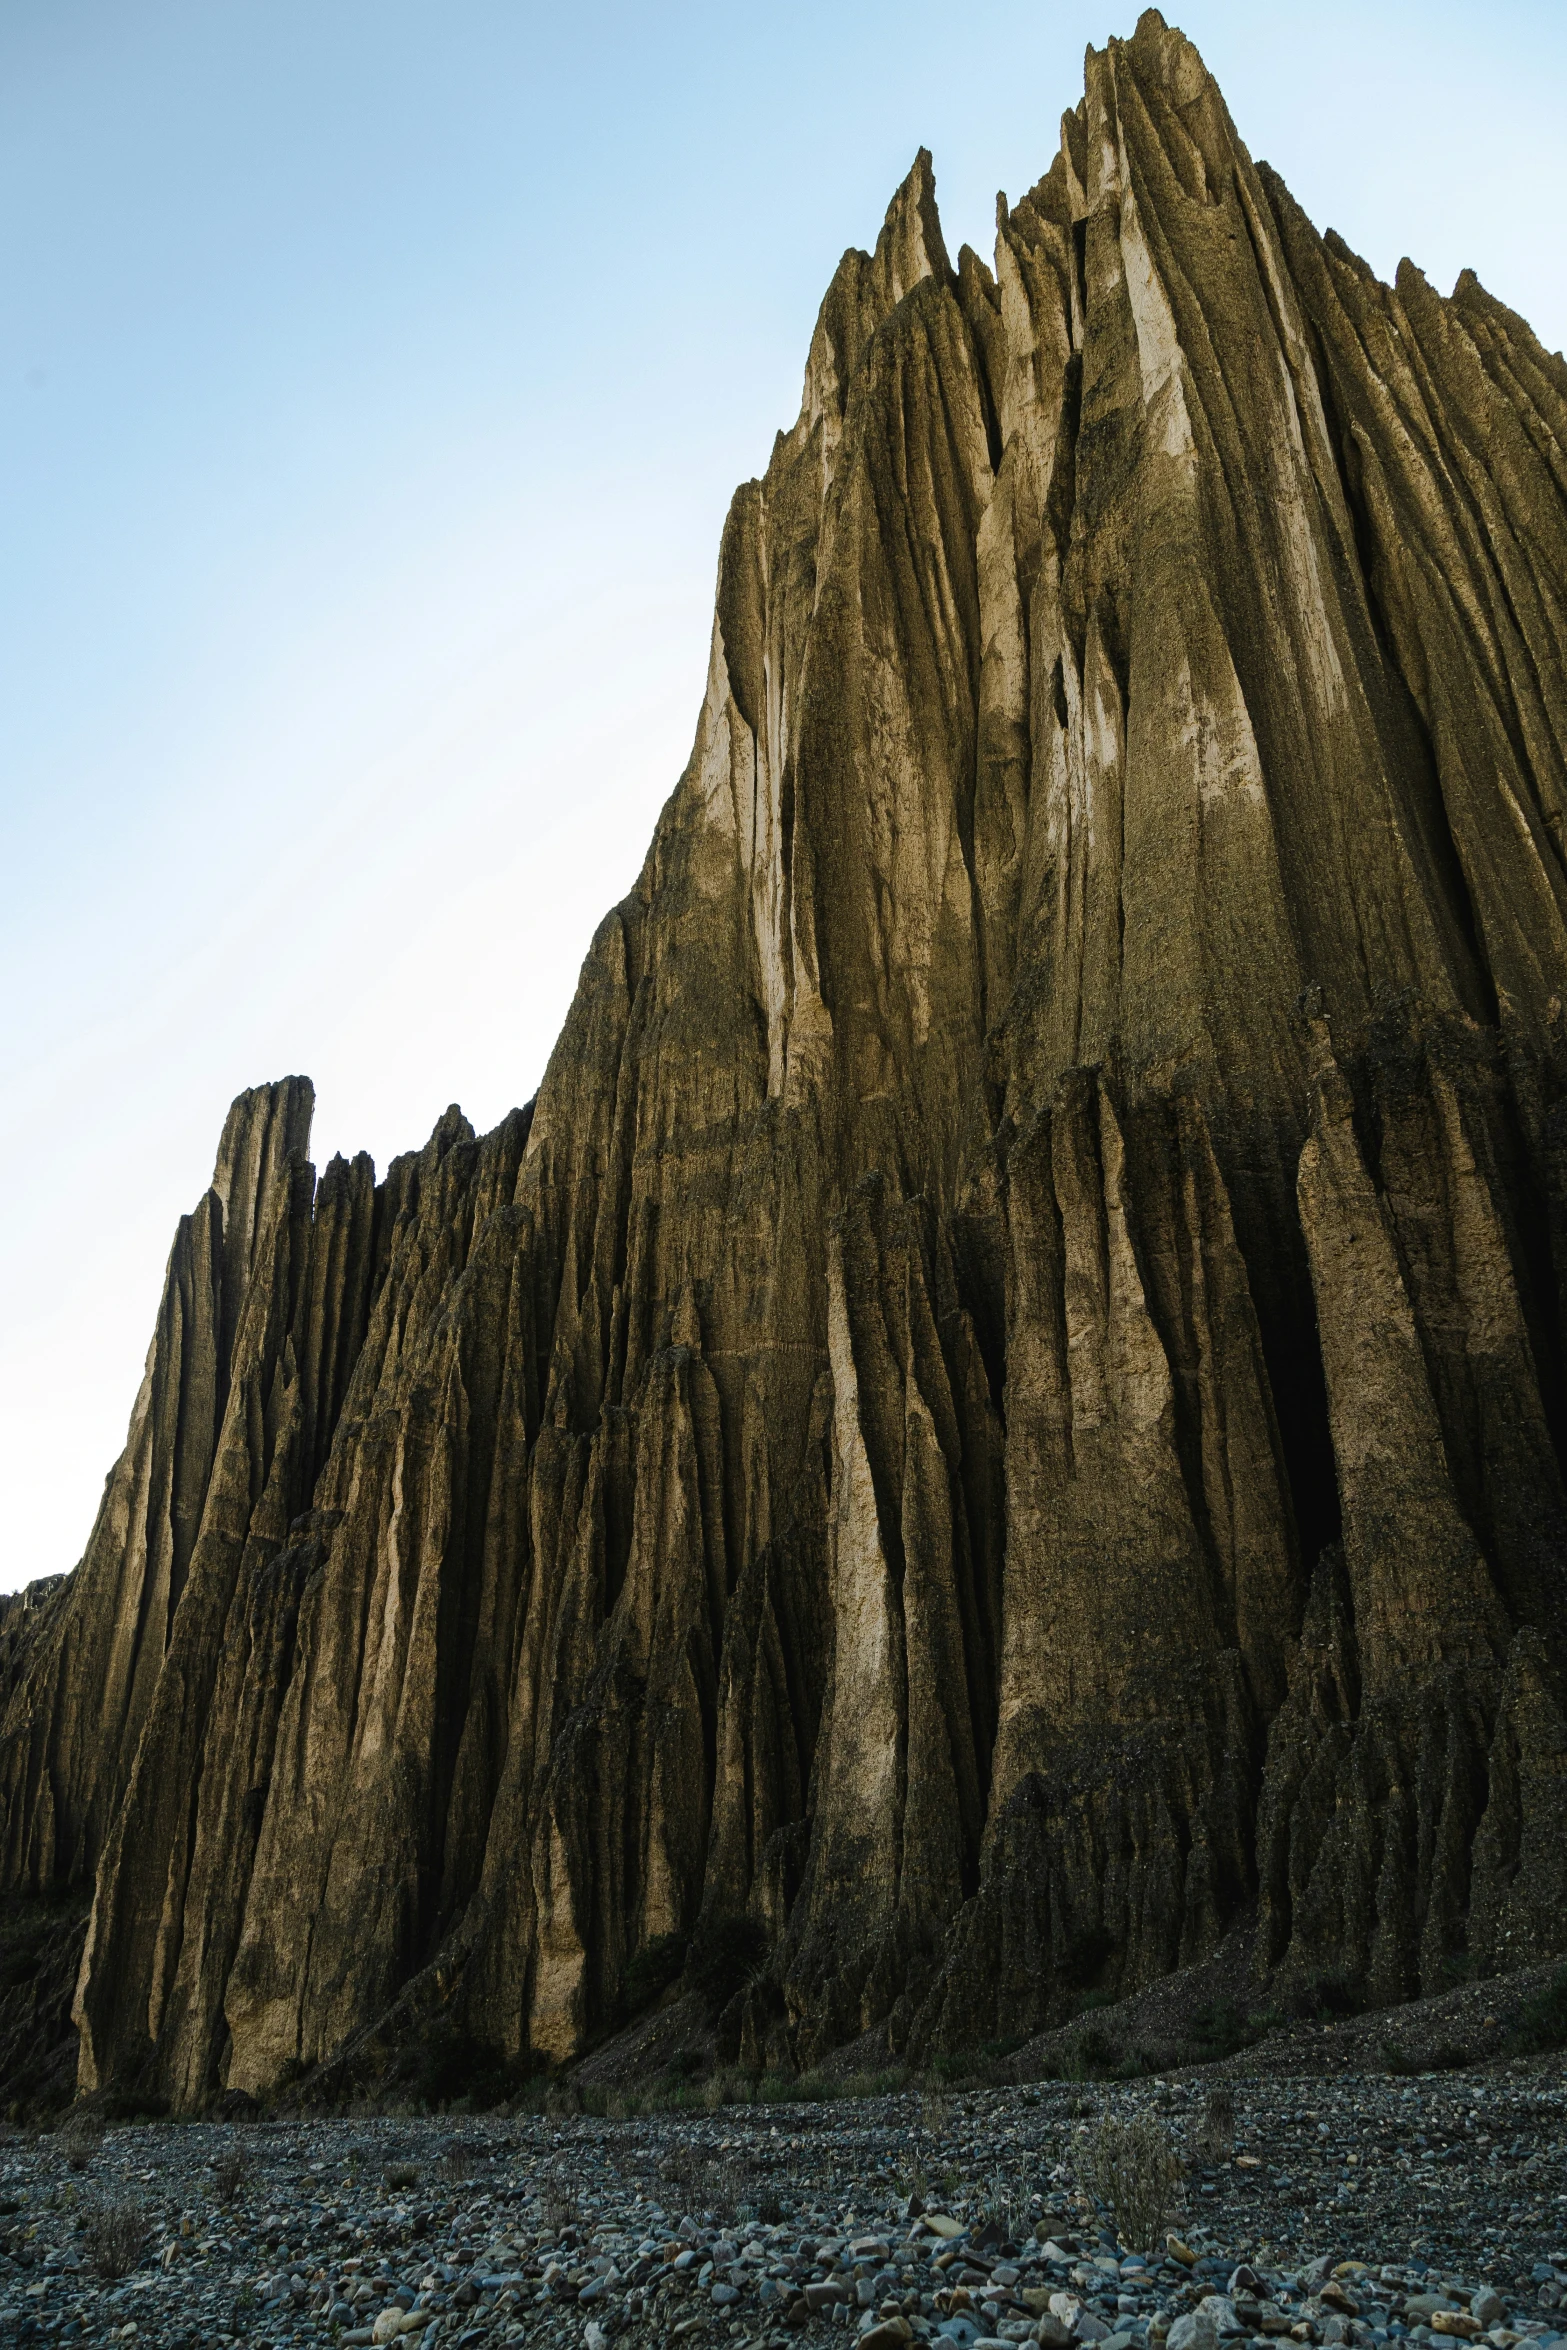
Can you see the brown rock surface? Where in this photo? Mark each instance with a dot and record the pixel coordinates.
(1002, 1410)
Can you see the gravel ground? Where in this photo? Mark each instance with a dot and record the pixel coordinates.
(960, 2217)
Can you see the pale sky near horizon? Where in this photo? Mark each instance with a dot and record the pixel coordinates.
(374, 375)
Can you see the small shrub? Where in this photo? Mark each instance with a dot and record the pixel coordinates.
(724, 2187)
(728, 2085)
(1541, 2023)
(1090, 2055)
(1216, 2130)
(562, 2100)
(704, 2181)
(1220, 2029)
(1326, 1998)
(1133, 2168)
(134, 2105)
(1139, 2061)
(1000, 2208)
(681, 2168)
(448, 2067)
(399, 2177)
(725, 1953)
(229, 2174)
(560, 2201)
(113, 2239)
(80, 2135)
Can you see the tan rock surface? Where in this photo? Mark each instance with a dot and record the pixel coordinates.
(1003, 1407)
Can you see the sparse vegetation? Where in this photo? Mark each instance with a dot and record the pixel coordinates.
(1541, 2025)
(914, 2181)
(684, 2087)
(449, 2067)
(1091, 2055)
(1326, 1998)
(81, 2135)
(1133, 2169)
(562, 2099)
(1221, 2029)
(1216, 2129)
(935, 2112)
(1000, 2210)
(113, 2238)
(679, 2167)
(703, 2181)
(560, 2200)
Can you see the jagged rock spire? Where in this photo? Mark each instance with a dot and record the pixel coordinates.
(1002, 1412)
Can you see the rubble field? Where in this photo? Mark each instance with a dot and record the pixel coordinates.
(1323, 2208)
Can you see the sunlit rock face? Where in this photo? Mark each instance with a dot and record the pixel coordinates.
(1001, 1412)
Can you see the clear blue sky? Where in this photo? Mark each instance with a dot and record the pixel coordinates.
(373, 379)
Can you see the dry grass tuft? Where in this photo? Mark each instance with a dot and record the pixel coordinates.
(560, 2201)
(705, 2182)
(1133, 2167)
(1216, 2130)
(113, 2238)
(80, 2136)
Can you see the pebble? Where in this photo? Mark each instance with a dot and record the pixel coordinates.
(1368, 2213)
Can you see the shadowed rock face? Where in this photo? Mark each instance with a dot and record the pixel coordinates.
(1002, 1410)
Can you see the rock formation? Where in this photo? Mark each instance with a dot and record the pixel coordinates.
(1002, 1411)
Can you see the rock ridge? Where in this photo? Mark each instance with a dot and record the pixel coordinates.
(1002, 1409)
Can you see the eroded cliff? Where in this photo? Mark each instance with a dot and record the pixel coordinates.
(1003, 1408)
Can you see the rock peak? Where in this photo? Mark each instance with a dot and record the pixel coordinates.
(910, 246)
